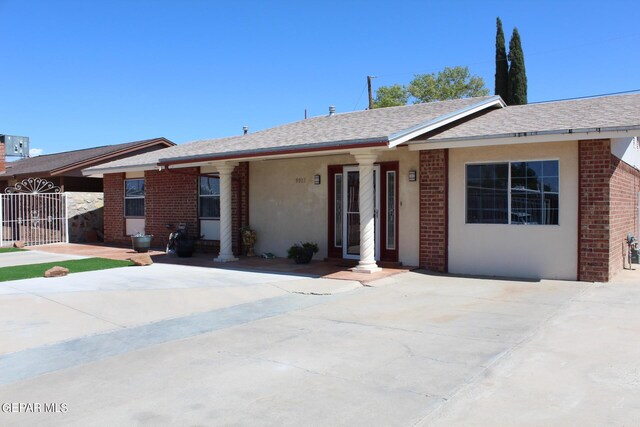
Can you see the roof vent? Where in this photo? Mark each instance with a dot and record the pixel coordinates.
(332, 110)
(245, 129)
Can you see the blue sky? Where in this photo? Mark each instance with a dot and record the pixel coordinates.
(77, 74)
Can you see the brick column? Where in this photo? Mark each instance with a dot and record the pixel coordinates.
(594, 210)
(239, 204)
(114, 231)
(434, 209)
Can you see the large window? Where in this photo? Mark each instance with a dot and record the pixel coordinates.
(513, 193)
(209, 197)
(134, 197)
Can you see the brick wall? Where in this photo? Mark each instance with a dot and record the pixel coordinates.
(624, 188)
(608, 210)
(434, 170)
(2, 157)
(239, 204)
(114, 227)
(170, 199)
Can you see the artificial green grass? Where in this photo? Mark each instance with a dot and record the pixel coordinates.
(29, 271)
(4, 250)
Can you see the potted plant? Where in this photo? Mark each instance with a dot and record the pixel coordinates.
(248, 239)
(302, 253)
(141, 242)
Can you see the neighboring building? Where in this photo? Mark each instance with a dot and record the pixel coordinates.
(468, 186)
(22, 217)
(65, 169)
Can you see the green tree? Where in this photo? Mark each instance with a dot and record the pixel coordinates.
(450, 83)
(390, 96)
(502, 66)
(517, 72)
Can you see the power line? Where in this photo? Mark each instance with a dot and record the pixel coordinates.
(359, 98)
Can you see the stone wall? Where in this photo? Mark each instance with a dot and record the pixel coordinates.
(85, 211)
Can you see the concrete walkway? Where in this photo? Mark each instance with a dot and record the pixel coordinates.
(171, 345)
(9, 259)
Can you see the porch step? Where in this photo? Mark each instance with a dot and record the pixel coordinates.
(342, 262)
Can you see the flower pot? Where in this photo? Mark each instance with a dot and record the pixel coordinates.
(141, 244)
(304, 257)
(184, 247)
(249, 241)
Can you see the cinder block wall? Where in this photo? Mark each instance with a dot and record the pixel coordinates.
(434, 174)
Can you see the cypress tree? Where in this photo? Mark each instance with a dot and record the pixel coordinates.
(517, 73)
(502, 66)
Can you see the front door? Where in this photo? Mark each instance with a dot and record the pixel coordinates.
(344, 213)
(351, 212)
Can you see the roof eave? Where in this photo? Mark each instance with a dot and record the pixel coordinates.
(428, 126)
(97, 172)
(277, 151)
(100, 159)
(558, 135)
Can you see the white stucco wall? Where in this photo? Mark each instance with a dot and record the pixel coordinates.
(286, 207)
(529, 251)
(626, 149)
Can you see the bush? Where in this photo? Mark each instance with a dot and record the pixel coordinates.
(302, 253)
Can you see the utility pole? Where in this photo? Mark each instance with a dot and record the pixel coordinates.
(370, 93)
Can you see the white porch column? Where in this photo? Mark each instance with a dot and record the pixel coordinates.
(366, 196)
(226, 250)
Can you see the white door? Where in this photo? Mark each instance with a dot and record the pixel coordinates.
(351, 218)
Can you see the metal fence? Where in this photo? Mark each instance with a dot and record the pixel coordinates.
(33, 217)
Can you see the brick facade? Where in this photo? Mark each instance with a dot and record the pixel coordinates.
(170, 199)
(608, 206)
(593, 210)
(3, 158)
(434, 171)
(625, 185)
(114, 226)
(239, 204)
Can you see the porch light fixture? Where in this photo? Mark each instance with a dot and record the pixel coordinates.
(412, 175)
(316, 179)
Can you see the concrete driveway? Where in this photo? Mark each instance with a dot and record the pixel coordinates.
(171, 345)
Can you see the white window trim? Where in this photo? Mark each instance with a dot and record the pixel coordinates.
(124, 207)
(508, 162)
(214, 218)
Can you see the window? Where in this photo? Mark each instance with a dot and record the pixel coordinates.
(513, 193)
(391, 208)
(488, 194)
(134, 197)
(210, 197)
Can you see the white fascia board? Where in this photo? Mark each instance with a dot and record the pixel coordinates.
(99, 172)
(422, 128)
(553, 137)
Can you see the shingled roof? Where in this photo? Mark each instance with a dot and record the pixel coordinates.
(598, 114)
(59, 163)
(379, 126)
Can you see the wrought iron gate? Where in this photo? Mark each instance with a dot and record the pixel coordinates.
(33, 211)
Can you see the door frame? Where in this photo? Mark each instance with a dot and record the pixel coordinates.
(345, 224)
(336, 251)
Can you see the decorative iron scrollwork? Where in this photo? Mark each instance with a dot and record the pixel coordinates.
(33, 186)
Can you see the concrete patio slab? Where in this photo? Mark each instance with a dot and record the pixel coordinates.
(412, 349)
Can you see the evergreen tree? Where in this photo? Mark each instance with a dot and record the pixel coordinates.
(517, 73)
(502, 66)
